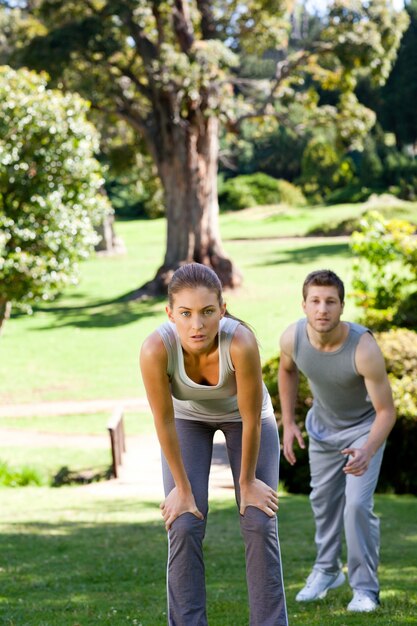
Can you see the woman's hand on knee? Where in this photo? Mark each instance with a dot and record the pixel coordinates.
(177, 503)
(259, 494)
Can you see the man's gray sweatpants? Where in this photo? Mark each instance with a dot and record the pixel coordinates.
(185, 572)
(341, 500)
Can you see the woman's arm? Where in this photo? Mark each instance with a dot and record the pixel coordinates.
(246, 360)
(153, 364)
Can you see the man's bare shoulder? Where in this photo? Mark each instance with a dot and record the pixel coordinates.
(368, 357)
(287, 339)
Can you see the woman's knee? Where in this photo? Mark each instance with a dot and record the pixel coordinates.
(188, 527)
(257, 522)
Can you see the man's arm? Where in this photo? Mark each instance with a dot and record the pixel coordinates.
(370, 364)
(288, 386)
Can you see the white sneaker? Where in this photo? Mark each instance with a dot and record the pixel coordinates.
(318, 584)
(362, 603)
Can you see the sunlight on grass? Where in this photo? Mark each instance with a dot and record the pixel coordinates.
(68, 545)
(136, 423)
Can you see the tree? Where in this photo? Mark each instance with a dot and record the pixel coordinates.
(171, 70)
(50, 188)
(399, 113)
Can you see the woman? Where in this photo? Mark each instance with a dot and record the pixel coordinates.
(202, 373)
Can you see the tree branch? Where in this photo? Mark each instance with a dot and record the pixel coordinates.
(128, 73)
(283, 70)
(159, 23)
(208, 23)
(182, 25)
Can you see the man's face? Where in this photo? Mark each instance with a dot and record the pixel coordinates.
(323, 308)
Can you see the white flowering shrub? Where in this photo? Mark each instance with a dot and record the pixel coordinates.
(50, 187)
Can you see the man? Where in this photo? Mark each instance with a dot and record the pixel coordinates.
(348, 423)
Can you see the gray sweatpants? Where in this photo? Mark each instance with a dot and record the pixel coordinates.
(341, 500)
(185, 572)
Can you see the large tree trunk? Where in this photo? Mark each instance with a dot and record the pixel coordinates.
(187, 160)
(5, 309)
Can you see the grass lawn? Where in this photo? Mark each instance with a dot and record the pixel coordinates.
(85, 345)
(71, 558)
(68, 557)
(135, 423)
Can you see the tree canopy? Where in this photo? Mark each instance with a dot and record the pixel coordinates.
(174, 70)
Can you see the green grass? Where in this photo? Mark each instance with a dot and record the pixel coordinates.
(44, 461)
(89, 424)
(86, 344)
(68, 557)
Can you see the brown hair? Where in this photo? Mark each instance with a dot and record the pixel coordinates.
(324, 278)
(192, 275)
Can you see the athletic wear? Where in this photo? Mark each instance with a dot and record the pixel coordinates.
(340, 396)
(200, 410)
(318, 584)
(185, 572)
(341, 417)
(206, 402)
(362, 603)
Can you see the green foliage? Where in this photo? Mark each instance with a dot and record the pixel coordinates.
(371, 165)
(323, 169)
(148, 63)
(399, 95)
(399, 348)
(295, 479)
(353, 192)
(18, 477)
(257, 189)
(384, 269)
(267, 146)
(50, 187)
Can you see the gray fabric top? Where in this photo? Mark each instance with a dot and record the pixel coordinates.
(340, 398)
(206, 402)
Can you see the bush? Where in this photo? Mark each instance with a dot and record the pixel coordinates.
(385, 269)
(257, 189)
(352, 193)
(295, 479)
(324, 170)
(399, 466)
(18, 477)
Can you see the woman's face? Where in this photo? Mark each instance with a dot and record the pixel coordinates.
(196, 313)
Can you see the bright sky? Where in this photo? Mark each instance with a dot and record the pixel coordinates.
(320, 4)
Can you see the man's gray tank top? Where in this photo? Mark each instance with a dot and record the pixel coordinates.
(208, 403)
(340, 398)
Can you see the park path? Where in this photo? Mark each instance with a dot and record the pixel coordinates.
(140, 473)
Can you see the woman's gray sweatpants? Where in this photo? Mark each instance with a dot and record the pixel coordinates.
(339, 500)
(185, 572)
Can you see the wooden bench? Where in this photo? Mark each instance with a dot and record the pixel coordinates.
(116, 429)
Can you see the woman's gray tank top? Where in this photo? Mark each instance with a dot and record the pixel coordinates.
(340, 398)
(214, 403)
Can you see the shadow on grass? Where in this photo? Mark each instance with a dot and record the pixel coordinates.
(89, 573)
(83, 570)
(109, 315)
(307, 254)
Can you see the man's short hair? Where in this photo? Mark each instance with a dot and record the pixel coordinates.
(324, 278)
